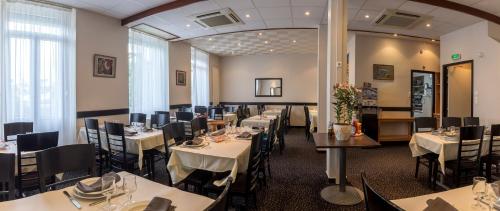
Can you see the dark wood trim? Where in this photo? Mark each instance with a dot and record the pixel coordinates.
(396, 109)
(270, 103)
(445, 86)
(110, 112)
(462, 8)
(281, 87)
(155, 10)
(177, 106)
(433, 90)
(391, 34)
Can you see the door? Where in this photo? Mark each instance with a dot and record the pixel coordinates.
(422, 93)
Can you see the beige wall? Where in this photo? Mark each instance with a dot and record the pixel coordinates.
(403, 54)
(180, 59)
(214, 79)
(98, 34)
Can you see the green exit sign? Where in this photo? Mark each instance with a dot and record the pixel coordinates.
(456, 56)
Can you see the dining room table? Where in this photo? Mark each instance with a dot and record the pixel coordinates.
(231, 154)
(258, 121)
(146, 191)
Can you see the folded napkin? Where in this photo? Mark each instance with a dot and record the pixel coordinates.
(438, 204)
(218, 133)
(158, 204)
(244, 135)
(97, 185)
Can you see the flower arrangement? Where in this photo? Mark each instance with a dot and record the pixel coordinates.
(347, 97)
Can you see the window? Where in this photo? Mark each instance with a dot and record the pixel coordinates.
(37, 67)
(200, 90)
(148, 73)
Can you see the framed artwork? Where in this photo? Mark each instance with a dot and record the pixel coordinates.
(104, 66)
(180, 77)
(383, 72)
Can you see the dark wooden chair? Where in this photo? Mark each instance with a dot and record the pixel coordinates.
(203, 110)
(245, 184)
(240, 114)
(307, 123)
(451, 122)
(7, 177)
(138, 117)
(266, 148)
(217, 113)
(185, 109)
(374, 201)
(94, 137)
(159, 120)
(426, 124)
(65, 159)
(220, 204)
(196, 127)
(471, 121)
(280, 133)
(184, 116)
(288, 116)
(229, 109)
(493, 157)
(467, 164)
(15, 128)
(27, 144)
(120, 159)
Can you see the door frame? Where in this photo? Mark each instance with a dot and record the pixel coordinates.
(445, 86)
(433, 90)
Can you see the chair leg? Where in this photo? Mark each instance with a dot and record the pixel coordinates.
(435, 174)
(429, 179)
(416, 168)
(269, 166)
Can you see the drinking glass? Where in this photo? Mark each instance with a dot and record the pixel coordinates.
(478, 189)
(108, 188)
(129, 187)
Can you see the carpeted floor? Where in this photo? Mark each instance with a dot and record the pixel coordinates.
(298, 176)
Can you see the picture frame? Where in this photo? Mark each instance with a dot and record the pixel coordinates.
(104, 66)
(383, 72)
(180, 78)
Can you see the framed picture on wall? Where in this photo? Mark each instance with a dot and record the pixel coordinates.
(104, 66)
(383, 72)
(180, 77)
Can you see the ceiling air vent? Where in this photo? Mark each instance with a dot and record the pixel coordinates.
(399, 19)
(224, 17)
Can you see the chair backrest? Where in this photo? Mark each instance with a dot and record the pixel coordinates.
(138, 117)
(184, 116)
(176, 131)
(451, 121)
(200, 110)
(266, 146)
(31, 143)
(94, 135)
(229, 109)
(117, 146)
(471, 121)
(196, 127)
(220, 204)
(374, 201)
(65, 159)
(254, 162)
(185, 109)
(217, 113)
(308, 120)
(247, 112)
(289, 113)
(423, 123)
(15, 128)
(494, 148)
(7, 176)
(471, 140)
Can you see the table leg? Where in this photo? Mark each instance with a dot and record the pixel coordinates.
(342, 194)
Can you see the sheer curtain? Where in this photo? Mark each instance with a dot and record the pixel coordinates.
(148, 73)
(200, 90)
(37, 67)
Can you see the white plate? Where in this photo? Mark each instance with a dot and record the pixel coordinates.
(136, 206)
(194, 146)
(80, 195)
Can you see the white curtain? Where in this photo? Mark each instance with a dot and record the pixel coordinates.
(200, 88)
(148, 73)
(37, 67)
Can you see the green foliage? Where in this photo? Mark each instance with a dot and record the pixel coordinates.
(347, 97)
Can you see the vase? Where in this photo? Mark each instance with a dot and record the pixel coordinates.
(342, 131)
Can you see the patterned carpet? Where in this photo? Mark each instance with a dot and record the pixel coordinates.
(298, 176)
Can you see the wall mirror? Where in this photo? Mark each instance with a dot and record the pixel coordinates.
(268, 87)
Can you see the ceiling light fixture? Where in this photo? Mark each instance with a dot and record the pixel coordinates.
(266, 42)
(433, 40)
(294, 41)
(187, 25)
(260, 33)
(247, 15)
(239, 44)
(428, 25)
(367, 16)
(271, 50)
(210, 39)
(395, 35)
(307, 13)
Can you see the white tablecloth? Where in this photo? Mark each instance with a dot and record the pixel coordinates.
(446, 147)
(313, 117)
(272, 112)
(229, 155)
(135, 144)
(460, 198)
(230, 118)
(257, 121)
(146, 190)
(11, 148)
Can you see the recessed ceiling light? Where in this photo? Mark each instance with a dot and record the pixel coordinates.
(294, 41)
(433, 40)
(307, 13)
(395, 35)
(367, 16)
(187, 25)
(271, 50)
(247, 15)
(260, 33)
(210, 39)
(239, 44)
(428, 25)
(266, 42)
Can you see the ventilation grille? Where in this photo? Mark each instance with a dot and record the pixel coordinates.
(224, 17)
(399, 19)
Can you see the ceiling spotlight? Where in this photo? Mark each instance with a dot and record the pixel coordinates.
(294, 41)
(367, 16)
(395, 35)
(187, 25)
(428, 25)
(433, 40)
(239, 44)
(247, 15)
(210, 39)
(266, 42)
(260, 33)
(232, 52)
(271, 50)
(307, 13)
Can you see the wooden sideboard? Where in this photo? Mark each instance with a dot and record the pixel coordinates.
(387, 137)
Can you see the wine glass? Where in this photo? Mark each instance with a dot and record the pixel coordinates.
(478, 189)
(108, 188)
(129, 187)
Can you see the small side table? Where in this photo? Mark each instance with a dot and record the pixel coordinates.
(342, 194)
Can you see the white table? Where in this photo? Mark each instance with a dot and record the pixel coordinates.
(230, 118)
(229, 155)
(313, 117)
(12, 149)
(146, 190)
(257, 121)
(135, 144)
(461, 198)
(445, 147)
(272, 112)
